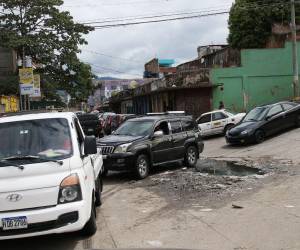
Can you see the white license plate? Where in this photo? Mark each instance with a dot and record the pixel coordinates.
(14, 223)
(91, 130)
(104, 157)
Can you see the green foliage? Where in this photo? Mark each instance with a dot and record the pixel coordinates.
(50, 36)
(9, 84)
(250, 21)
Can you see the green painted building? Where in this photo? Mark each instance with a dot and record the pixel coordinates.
(265, 76)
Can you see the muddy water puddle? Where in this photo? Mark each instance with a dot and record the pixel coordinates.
(225, 168)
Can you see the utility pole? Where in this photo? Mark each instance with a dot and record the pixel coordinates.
(295, 51)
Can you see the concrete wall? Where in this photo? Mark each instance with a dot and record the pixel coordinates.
(193, 101)
(264, 77)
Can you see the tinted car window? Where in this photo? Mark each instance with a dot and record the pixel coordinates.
(164, 127)
(287, 106)
(176, 127)
(187, 125)
(256, 114)
(275, 110)
(218, 116)
(205, 119)
(132, 128)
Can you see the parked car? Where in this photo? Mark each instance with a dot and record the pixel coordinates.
(50, 176)
(218, 122)
(90, 124)
(118, 119)
(142, 143)
(264, 121)
(105, 120)
(126, 117)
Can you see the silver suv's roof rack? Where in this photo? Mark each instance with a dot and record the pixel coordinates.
(167, 113)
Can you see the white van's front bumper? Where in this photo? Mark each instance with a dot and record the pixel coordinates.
(52, 220)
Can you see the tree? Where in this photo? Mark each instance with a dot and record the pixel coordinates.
(250, 21)
(38, 28)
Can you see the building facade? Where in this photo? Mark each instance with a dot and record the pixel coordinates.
(265, 76)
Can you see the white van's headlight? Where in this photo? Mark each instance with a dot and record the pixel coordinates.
(122, 148)
(70, 190)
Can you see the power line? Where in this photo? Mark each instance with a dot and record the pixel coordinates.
(118, 3)
(147, 17)
(113, 57)
(103, 20)
(113, 70)
(158, 21)
(222, 12)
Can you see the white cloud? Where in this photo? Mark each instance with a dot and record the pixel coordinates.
(177, 40)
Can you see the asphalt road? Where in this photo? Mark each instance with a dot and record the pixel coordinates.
(133, 216)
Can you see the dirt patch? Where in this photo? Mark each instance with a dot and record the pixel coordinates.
(212, 184)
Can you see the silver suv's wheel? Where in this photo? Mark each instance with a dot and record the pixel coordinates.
(142, 167)
(191, 156)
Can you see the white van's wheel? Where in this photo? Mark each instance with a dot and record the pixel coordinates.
(90, 227)
(99, 187)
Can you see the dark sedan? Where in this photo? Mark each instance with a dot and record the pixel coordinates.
(264, 121)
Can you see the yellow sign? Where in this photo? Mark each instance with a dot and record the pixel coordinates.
(37, 81)
(26, 76)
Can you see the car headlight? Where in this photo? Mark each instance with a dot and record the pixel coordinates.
(245, 132)
(69, 190)
(122, 148)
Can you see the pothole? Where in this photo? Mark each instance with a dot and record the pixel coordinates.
(225, 168)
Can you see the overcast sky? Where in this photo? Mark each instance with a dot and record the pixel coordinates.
(138, 44)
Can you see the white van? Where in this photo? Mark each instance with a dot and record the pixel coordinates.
(50, 176)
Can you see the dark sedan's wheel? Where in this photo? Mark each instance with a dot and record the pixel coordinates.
(228, 127)
(191, 156)
(259, 136)
(142, 167)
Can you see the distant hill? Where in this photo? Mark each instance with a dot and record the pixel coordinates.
(107, 78)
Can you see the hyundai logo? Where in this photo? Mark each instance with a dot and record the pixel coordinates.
(14, 197)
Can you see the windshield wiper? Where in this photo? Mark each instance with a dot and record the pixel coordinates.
(9, 163)
(31, 157)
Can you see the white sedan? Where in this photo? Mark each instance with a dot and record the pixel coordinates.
(218, 122)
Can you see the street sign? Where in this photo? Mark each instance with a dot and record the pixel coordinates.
(26, 81)
(36, 86)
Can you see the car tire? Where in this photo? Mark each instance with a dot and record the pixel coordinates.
(259, 136)
(90, 227)
(142, 167)
(191, 156)
(98, 192)
(228, 127)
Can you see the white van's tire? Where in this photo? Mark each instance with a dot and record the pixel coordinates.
(90, 227)
(98, 193)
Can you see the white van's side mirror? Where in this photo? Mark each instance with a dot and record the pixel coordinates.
(90, 145)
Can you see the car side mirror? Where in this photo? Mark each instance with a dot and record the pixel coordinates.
(158, 134)
(90, 145)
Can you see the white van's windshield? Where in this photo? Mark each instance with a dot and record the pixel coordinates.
(35, 139)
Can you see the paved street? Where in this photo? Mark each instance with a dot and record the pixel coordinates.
(134, 216)
(285, 146)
